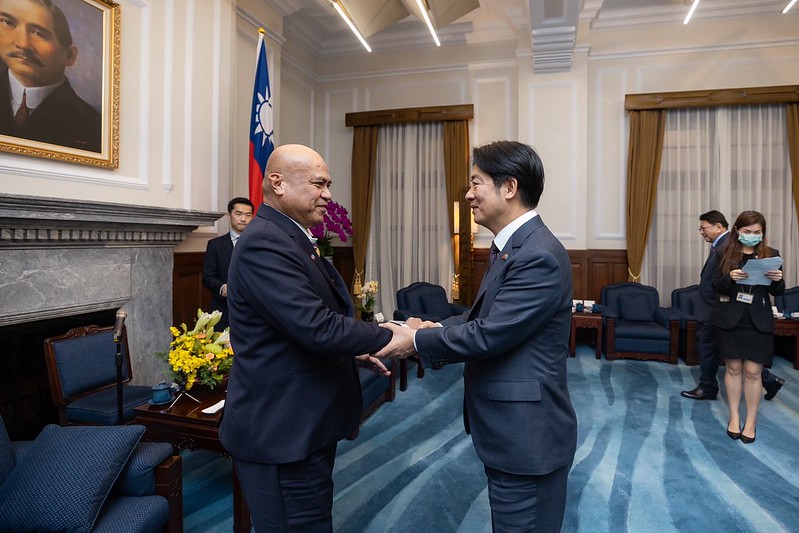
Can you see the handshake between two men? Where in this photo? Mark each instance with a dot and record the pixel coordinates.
(401, 345)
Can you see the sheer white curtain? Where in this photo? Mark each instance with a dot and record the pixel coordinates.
(409, 239)
(726, 158)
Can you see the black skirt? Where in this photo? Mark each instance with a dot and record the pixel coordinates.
(746, 342)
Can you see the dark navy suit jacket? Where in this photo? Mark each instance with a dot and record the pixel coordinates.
(709, 296)
(294, 387)
(218, 252)
(727, 314)
(515, 341)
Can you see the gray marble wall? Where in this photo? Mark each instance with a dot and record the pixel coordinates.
(91, 256)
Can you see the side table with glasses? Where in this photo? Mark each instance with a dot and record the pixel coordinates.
(590, 321)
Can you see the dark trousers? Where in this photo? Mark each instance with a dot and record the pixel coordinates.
(709, 360)
(292, 496)
(527, 503)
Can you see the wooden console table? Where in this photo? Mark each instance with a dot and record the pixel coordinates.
(589, 321)
(187, 428)
(789, 328)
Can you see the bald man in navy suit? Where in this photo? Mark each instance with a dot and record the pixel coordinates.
(294, 390)
(515, 342)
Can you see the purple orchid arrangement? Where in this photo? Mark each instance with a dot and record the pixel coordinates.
(336, 222)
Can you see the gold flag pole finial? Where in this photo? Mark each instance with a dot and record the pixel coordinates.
(261, 30)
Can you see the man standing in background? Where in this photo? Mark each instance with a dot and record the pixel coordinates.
(218, 252)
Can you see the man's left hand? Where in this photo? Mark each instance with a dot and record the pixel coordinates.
(373, 364)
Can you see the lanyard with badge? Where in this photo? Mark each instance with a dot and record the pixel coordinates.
(744, 296)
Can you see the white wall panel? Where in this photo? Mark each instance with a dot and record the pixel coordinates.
(607, 179)
(551, 127)
(336, 145)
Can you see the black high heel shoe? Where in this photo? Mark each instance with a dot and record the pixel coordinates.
(733, 435)
(748, 440)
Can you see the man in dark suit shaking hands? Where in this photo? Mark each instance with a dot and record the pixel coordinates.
(515, 341)
(218, 252)
(294, 391)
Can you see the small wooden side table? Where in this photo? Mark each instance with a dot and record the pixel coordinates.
(789, 328)
(587, 321)
(186, 427)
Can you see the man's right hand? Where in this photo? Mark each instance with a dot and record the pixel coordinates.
(223, 291)
(401, 344)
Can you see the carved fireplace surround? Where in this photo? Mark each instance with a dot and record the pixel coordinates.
(62, 258)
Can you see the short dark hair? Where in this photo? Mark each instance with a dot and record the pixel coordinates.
(715, 217)
(503, 160)
(231, 204)
(60, 23)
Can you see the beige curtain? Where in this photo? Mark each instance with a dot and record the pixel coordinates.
(456, 160)
(364, 165)
(643, 166)
(792, 114)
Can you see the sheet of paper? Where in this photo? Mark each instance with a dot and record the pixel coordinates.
(756, 270)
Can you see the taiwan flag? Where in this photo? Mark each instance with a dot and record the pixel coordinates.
(261, 129)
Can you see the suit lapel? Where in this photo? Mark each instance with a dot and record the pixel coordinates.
(511, 247)
(328, 272)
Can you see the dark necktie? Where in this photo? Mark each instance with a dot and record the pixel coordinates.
(492, 254)
(23, 112)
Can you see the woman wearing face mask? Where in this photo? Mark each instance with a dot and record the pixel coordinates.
(744, 320)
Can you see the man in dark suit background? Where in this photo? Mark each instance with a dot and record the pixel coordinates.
(294, 391)
(218, 252)
(713, 227)
(37, 101)
(514, 341)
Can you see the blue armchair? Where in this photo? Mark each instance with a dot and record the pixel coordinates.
(428, 302)
(684, 302)
(81, 366)
(89, 478)
(788, 300)
(636, 327)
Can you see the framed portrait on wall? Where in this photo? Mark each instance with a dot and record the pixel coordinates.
(59, 80)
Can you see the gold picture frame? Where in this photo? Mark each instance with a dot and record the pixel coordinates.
(61, 58)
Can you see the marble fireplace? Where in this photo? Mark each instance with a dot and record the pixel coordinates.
(64, 262)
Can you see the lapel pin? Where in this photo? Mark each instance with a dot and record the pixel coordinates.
(504, 257)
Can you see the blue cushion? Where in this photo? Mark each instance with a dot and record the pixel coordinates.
(6, 455)
(138, 478)
(636, 307)
(65, 477)
(142, 514)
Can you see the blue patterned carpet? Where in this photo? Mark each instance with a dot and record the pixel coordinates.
(647, 460)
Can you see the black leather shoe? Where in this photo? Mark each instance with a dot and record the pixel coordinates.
(699, 394)
(773, 388)
(748, 440)
(733, 435)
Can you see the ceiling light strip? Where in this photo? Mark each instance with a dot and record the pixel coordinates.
(423, 8)
(788, 7)
(349, 22)
(691, 11)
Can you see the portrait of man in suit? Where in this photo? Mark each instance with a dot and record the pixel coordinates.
(218, 252)
(294, 389)
(37, 101)
(514, 341)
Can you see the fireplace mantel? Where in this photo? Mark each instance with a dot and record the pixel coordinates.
(61, 257)
(33, 221)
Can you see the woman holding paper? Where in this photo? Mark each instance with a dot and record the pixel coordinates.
(743, 317)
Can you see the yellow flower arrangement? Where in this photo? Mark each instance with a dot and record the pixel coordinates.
(201, 355)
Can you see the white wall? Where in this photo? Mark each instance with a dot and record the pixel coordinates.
(186, 90)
